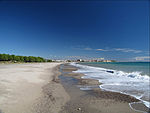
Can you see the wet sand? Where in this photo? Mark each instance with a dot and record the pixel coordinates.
(92, 99)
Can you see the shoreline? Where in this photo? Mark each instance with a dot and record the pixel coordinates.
(90, 84)
(54, 88)
(54, 96)
(140, 106)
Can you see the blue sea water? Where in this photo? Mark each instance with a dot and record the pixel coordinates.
(142, 67)
(131, 78)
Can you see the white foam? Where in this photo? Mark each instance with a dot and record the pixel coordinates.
(135, 109)
(133, 84)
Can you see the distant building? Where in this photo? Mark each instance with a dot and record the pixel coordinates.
(109, 61)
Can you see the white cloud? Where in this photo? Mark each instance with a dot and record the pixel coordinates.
(127, 50)
(142, 58)
(101, 50)
(121, 50)
(87, 48)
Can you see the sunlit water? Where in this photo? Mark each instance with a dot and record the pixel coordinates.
(131, 78)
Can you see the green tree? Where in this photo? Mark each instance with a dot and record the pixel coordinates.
(10, 58)
(4, 57)
(13, 57)
(49, 60)
(7, 57)
(26, 59)
(21, 58)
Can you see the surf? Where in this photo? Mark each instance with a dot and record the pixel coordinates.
(134, 83)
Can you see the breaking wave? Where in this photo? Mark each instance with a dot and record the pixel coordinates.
(133, 84)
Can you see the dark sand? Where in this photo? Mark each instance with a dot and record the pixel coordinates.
(94, 100)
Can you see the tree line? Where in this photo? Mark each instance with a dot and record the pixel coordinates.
(14, 58)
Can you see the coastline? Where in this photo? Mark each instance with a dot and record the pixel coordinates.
(102, 101)
(54, 88)
(54, 96)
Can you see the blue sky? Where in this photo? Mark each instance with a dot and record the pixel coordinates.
(116, 30)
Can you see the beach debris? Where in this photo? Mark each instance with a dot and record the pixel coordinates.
(79, 109)
(110, 71)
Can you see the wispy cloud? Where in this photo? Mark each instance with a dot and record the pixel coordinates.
(101, 50)
(142, 58)
(127, 50)
(87, 48)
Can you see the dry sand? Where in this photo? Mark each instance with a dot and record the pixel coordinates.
(31, 88)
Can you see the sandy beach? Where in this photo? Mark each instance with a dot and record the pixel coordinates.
(54, 88)
(31, 88)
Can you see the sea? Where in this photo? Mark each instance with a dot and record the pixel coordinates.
(130, 78)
